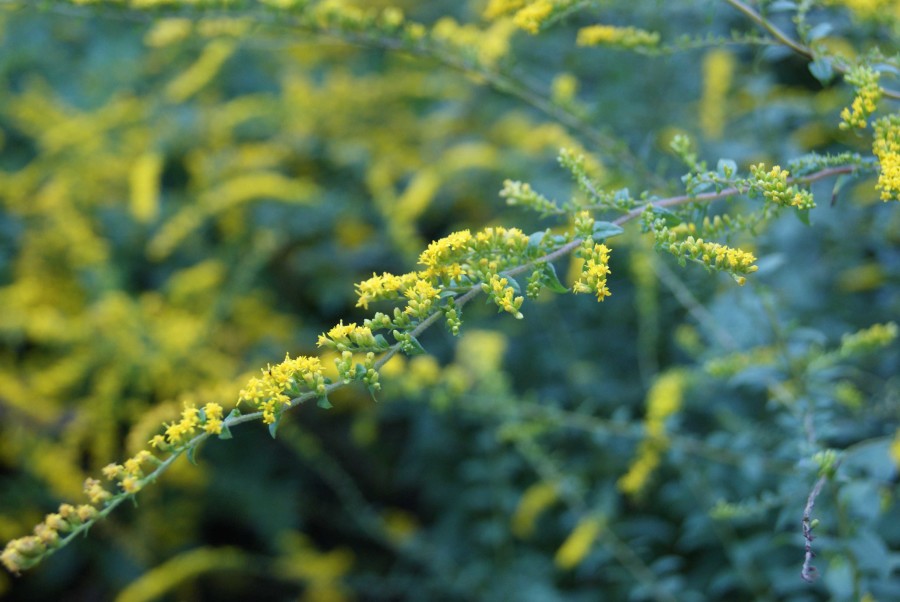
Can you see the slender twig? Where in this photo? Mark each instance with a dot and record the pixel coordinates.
(771, 28)
(808, 572)
(791, 43)
(707, 197)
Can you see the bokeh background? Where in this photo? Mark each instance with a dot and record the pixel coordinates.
(187, 195)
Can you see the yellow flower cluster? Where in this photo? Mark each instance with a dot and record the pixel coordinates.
(345, 336)
(272, 392)
(386, 286)
(130, 474)
(193, 421)
(713, 255)
(868, 339)
(531, 17)
(422, 297)
(594, 271)
(663, 400)
(774, 187)
(868, 93)
(25, 552)
(504, 296)
(625, 37)
(886, 148)
(441, 257)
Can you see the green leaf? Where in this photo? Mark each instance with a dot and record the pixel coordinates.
(322, 402)
(622, 197)
(226, 432)
(234, 413)
(514, 284)
(381, 341)
(416, 346)
(822, 70)
(534, 241)
(803, 215)
(781, 6)
(839, 184)
(551, 280)
(604, 230)
(359, 372)
(671, 218)
(818, 32)
(273, 427)
(192, 454)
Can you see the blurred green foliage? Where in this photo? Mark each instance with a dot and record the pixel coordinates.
(187, 195)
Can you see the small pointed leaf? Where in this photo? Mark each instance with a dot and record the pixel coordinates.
(417, 348)
(604, 230)
(535, 239)
(273, 427)
(822, 69)
(551, 280)
(192, 454)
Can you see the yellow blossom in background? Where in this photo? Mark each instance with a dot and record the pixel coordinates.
(144, 182)
(490, 45)
(869, 339)
(499, 8)
(663, 400)
(481, 351)
(401, 526)
(531, 17)
(625, 37)
(718, 68)
(533, 502)
(564, 88)
(168, 31)
(180, 569)
(198, 75)
(869, 9)
(494, 43)
(886, 147)
(579, 542)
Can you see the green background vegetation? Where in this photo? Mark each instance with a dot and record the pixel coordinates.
(182, 202)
